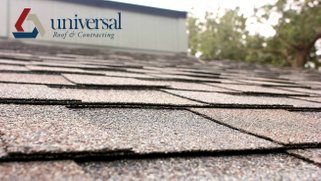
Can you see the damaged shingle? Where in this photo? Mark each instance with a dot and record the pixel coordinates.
(278, 125)
(241, 100)
(313, 155)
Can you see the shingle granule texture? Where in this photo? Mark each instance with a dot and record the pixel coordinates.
(315, 99)
(226, 99)
(55, 69)
(24, 91)
(50, 170)
(3, 153)
(13, 62)
(194, 86)
(13, 67)
(55, 129)
(183, 77)
(111, 81)
(124, 96)
(254, 167)
(169, 131)
(302, 90)
(267, 83)
(279, 125)
(126, 74)
(312, 115)
(34, 78)
(256, 89)
(310, 154)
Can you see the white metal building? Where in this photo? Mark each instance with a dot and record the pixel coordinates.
(142, 28)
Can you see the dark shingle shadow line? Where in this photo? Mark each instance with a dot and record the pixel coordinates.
(248, 93)
(120, 154)
(178, 80)
(306, 99)
(78, 104)
(162, 106)
(304, 158)
(286, 146)
(82, 68)
(38, 101)
(32, 83)
(107, 87)
(289, 146)
(129, 154)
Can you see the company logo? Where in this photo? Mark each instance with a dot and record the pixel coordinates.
(30, 17)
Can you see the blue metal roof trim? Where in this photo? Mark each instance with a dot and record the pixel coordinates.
(130, 7)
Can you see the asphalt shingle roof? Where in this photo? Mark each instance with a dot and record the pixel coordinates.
(97, 114)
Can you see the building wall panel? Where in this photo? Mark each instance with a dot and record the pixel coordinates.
(140, 31)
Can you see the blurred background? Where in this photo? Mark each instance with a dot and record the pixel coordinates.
(278, 32)
(282, 33)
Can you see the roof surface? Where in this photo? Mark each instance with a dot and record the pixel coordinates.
(92, 114)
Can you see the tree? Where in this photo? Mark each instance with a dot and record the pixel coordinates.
(297, 31)
(193, 34)
(223, 37)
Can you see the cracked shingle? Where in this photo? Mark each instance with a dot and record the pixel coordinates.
(279, 125)
(239, 100)
(311, 154)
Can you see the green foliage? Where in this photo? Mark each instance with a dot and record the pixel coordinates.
(225, 37)
(193, 32)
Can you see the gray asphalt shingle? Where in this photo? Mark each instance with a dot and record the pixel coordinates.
(3, 153)
(12, 68)
(226, 99)
(29, 92)
(310, 154)
(194, 86)
(279, 125)
(55, 129)
(302, 90)
(50, 170)
(110, 81)
(257, 89)
(169, 131)
(34, 78)
(130, 117)
(124, 96)
(254, 167)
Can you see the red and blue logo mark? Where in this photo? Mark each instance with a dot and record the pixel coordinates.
(30, 17)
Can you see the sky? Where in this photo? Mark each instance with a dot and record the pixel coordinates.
(199, 7)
